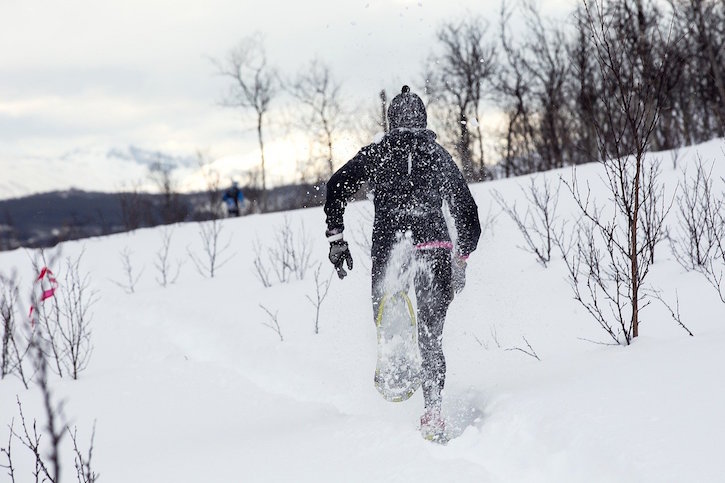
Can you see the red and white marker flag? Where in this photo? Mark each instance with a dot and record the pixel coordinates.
(47, 284)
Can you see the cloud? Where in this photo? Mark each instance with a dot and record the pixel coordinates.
(134, 72)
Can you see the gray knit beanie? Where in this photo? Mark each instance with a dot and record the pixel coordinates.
(407, 110)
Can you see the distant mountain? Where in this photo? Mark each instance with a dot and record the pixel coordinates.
(94, 168)
(149, 158)
(45, 219)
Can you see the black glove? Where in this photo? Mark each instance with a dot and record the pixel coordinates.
(458, 273)
(339, 254)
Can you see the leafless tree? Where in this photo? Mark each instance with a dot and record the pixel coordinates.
(515, 88)
(215, 253)
(370, 121)
(583, 91)
(611, 258)
(459, 77)
(161, 173)
(532, 81)
(212, 182)
(135, 208)
(549, 66)
(700, 97)
(538, 223)
(253, 85)
(273, 322)
(132, 278)
(167, 273)
(8, 232)
(315, 87)
(322, 286)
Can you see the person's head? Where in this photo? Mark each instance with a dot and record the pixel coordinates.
(235, 184)
(407, 110)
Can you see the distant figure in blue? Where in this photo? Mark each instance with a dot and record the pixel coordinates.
(234, 198)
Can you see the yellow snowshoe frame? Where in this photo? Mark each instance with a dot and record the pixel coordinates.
(378, 321)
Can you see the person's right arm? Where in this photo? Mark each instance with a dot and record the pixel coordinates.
(344, 184)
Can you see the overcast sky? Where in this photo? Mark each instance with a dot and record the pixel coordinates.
(82, 73)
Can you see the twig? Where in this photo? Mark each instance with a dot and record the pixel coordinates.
(321, 289)
(531, 352)
(274, 324)
(8, 453)
(674, 313)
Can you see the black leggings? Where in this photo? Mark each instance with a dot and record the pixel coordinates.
(431, 273)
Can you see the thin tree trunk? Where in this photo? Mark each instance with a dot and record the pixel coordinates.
(714, 70)
(261, 152)
(633, 249)
(328, 133)
(482, 173)
(383, 115)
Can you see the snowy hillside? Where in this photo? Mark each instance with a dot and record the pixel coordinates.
(187, 384)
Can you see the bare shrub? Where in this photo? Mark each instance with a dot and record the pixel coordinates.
(167, 273)
(290, 254)
(322, 286)
(132, 278)
(287, 257)
(214, 252)
(64, 320)
(45, 309)
(14, 349)
(44, 443)
(538, 223)
(694, 238)
(698, 237)
(77, 298)
(261, 270)
(84, 468)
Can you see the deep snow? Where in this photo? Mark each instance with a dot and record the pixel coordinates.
(188, 385)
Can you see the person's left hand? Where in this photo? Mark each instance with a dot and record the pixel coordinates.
(339, 255)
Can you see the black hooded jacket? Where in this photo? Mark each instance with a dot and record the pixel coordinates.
(411, 176)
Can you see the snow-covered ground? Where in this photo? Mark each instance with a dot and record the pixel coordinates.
(187, 384)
